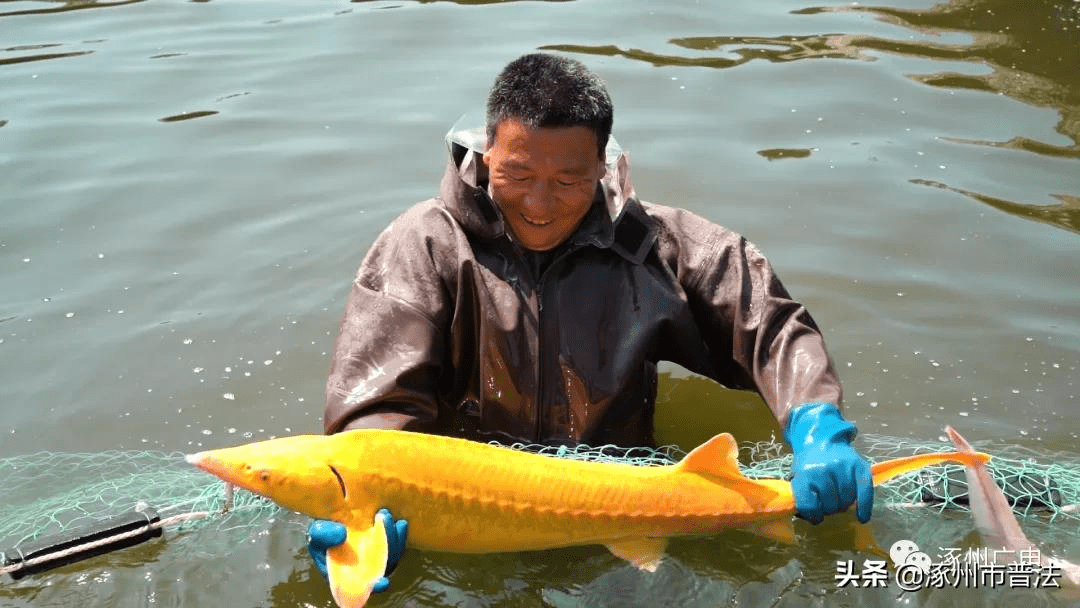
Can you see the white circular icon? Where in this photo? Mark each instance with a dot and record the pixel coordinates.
(900, 551)
(920, 560)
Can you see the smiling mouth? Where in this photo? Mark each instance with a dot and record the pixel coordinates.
(536, 223)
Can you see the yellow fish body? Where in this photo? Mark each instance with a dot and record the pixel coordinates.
(469, 497)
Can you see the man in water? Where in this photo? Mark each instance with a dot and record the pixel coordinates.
(533, 297)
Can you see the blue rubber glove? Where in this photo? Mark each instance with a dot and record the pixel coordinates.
(323, 534)
(829, 474)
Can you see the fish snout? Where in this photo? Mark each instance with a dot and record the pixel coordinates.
(207, 462)
(232, 470)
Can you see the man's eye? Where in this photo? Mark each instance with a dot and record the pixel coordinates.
(569, 183)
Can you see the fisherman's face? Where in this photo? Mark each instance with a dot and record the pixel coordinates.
(543, 180)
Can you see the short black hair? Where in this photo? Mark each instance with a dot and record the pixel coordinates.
(549, 91)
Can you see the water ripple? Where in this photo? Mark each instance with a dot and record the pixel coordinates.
(68, 5)
(1032, 59)
(1065, 215)
(188, 116)
(43, 57)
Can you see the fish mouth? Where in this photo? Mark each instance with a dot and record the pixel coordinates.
(535, 222)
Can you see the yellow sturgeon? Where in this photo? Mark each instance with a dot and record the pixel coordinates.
(469, 497)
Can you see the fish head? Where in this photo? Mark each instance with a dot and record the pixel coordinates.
(295, 472)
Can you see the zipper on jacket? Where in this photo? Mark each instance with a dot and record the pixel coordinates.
(538, 282)
(539, 360)
(516, 256)
(540, 392)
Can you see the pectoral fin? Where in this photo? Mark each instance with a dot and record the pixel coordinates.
(356, 564)
(779, 530)
(644, 553)
(865, 541)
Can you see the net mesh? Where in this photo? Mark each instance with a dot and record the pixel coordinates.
(47, 493)
(1033, 488)
(53, 492)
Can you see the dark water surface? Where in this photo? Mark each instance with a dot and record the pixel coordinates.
(186, 190)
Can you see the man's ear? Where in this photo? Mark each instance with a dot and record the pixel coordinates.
(603, 170)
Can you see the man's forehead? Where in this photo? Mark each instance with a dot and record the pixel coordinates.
(512, 129)
(525, 162)
(571, 148)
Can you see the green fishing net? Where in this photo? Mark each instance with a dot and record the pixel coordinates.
(49, 493)
(1047, 488)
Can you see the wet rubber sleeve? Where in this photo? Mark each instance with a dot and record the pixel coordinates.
(389, 351)
(759, 338)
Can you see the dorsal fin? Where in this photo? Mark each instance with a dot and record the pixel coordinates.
(717, 457)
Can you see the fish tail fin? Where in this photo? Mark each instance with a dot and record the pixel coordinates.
(958, 441)
(355, 565)
(884, 471)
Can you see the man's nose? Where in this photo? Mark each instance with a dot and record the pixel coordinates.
(539, 200)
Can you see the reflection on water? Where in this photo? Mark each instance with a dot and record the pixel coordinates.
(465, 2)
(1027, 51)
(41, 57)
(1030, 46)
(1066, 215)
(673, 584)
(1024, 143)
(781, 153)
(60, 6)
(1032, 58)
(188, 116)
(745, 49)
(1031, 49)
